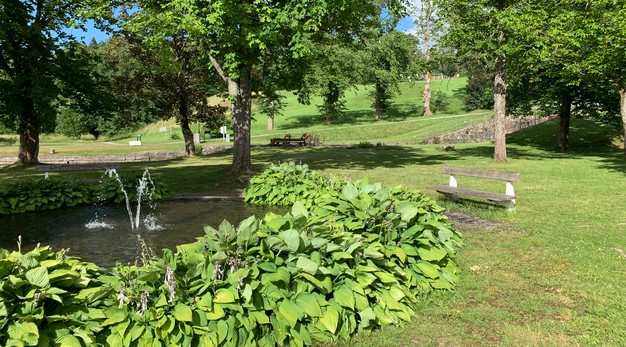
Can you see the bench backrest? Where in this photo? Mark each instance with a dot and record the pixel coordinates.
(490, 174)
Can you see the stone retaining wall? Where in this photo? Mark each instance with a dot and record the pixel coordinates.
(485, 131)
(113, 158)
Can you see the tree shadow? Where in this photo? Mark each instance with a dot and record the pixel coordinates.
(353, 157)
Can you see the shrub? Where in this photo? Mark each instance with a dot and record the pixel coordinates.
(46, 194)
(48, 298)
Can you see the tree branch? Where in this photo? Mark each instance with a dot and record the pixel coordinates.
(219, 69)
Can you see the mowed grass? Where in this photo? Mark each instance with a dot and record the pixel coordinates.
(402, 123)
(552, 273)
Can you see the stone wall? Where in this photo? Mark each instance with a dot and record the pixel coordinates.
(113, 158)
(485, 131)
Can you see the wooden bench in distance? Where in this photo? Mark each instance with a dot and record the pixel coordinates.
(46, 168)
(454, 191)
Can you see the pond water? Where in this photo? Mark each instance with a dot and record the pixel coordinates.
(103, 235)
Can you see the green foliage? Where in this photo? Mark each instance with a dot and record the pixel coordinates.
(48, 298)
(286, 183)
(47, 194)
(39, 195)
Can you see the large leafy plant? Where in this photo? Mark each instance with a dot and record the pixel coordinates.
(48, 298)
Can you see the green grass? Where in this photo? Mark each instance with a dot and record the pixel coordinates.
(401, 124)
(549, 274)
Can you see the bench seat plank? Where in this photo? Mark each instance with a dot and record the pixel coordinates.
(494, 175)
(472, 192)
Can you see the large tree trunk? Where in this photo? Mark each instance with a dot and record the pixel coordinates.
(29, 130)
(183, 114)
(499, 108)
(565, 114)
(622, 111)
(427, 94)
(241, 90)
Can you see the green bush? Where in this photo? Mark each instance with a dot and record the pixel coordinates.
(48, 298)
(47, 194)
(43, 194)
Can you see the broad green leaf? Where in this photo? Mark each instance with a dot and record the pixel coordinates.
(224, 296)
(290, 311)
(350, 191)
(368, 318)
(429, 270)
(25, 331)
(407, 211)
(217, 313)
(67, 341)
(309, 304)
(222, 331)
(385, 277)
(344, 296)
(291, 237)
(330, 319)
(306, 265)
(432, 254)
(183, 313)
(299, 210)
(38, 276)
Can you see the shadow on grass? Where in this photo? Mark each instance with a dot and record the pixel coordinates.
(353, 158)
(396, 112)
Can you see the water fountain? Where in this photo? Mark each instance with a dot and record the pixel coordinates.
(145, 187)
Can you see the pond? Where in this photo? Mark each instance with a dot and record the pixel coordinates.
(103, 235)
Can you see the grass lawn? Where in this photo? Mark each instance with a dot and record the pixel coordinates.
(401, 124)
(552, 273)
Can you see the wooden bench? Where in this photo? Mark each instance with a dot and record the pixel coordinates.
(47, 168)
(453, 191)
(287, 140)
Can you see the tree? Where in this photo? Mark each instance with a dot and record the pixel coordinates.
(475, 28)
(428, 26)
(390, 58)
(236, 34)
(35, 54)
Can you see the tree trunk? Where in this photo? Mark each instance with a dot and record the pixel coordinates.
(241, 90)
(182, 86)
(499, 108)
(622, 111)
(270, 117)
(565, 115)
(183, 108)
(29, 130)
(427, 94)
(378, 109)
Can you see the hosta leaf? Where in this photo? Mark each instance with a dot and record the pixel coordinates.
(432, 253)
(291, 312)
(306, 265)
(407, 211)
(368, 318)
(183, 313)
(429, 270)
(291, 237)
(309, 304)
(224, 296)
(24, 331)
(38, 276)
(385, 277)
(217, 313)
(344, 297)
(67, 341)
(299, 210)
(330, 319)
(350, 191)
